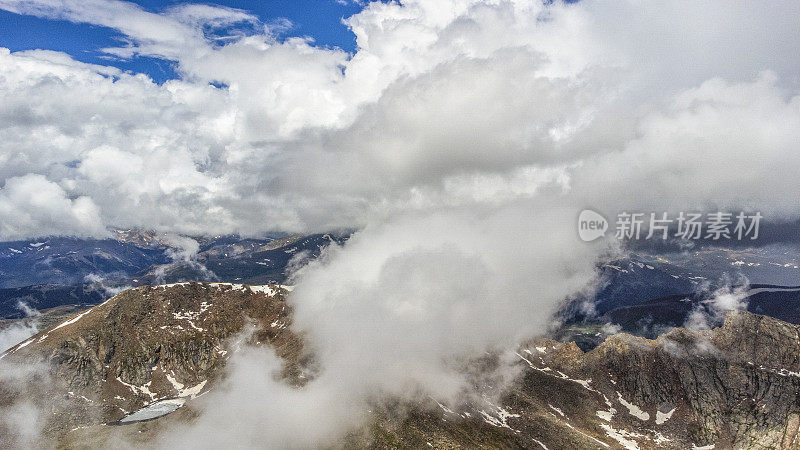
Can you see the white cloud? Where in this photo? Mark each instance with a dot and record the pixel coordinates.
(721, 145)
(711, 312)
(309, 138)
(22, 421)
(175, 32)
(31, 202)
(16, 333)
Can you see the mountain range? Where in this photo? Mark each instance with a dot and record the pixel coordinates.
(141, 359)
(125, 341)
(61, 271)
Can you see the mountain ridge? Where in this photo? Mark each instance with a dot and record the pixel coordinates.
(735, 385)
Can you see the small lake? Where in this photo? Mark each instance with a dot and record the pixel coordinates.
(153, 410)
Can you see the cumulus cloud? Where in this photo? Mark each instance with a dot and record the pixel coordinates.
(253, 408)
(462, 138)
(719, 146)
(19, 330)
(21, 420)
(183, 251)
(100, 282)
(711, 312)
(471, 94)
(182, 248)
(31, 202)
(15, 333)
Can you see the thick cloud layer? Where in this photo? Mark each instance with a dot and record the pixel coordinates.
(443, 102)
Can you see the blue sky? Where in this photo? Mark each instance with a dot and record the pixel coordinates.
(320, 19)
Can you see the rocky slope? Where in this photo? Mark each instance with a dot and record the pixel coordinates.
(733, 387)
(143, 345)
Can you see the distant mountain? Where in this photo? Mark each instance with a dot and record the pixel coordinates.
(67, 271)
(240, 260)
(651, 317)
(778, 265)
(629, 282)
(643, 276)
(67, 261)
(47, 296)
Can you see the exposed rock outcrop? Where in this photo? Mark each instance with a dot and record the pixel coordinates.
(146, 344)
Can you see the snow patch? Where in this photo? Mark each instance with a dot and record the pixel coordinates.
(500, 417)
(191, 316)
(540, 443)
(605, 415)
(234, 286)
(265, 289)
(73, 320)
(625, 438)
(193, 391)
(175, 383)
(663, 417)
(561, 413)
(445, 408)
(660, 438)
(143, 389)
(634, 410)
(165, 286)
(24, 344)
